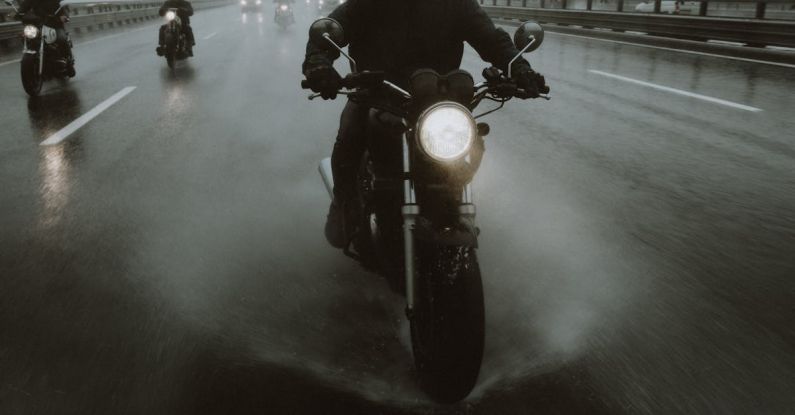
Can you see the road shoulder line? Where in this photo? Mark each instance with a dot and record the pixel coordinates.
(677, 91)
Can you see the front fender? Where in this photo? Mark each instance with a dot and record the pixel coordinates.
(463, 232)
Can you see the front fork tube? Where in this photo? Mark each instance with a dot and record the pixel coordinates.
(41, 56)
(410, 212)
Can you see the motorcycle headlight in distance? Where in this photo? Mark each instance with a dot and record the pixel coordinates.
(170, 15)
(259, 2)
(30, 31)
(446, 131)
(284, 7)
(242, 2)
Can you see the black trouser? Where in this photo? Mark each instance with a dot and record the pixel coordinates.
(62, 40)
(348, 149)
(186, 29)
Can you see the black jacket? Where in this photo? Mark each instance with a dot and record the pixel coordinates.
(185, 9)
(43, 8)
(401, 36)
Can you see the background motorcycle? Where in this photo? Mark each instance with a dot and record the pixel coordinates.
(175, 41)
(414, 216)
(42, 58)
(284, 15)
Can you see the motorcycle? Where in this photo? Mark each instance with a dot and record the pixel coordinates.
(413, 217)
(42, 58)
(284, 16)
(175, 44)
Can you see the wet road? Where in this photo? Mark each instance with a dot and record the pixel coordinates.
(638, 239)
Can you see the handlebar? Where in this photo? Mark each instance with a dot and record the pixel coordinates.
(498, 87)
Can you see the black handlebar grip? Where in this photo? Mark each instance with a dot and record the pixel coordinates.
(305, 84)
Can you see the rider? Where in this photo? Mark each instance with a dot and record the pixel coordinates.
(184, 11)
(279, 3)
(44, 8)
(399, 37)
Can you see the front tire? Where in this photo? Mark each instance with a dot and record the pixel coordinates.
(171, 51)
(31, 79)
(448, 325)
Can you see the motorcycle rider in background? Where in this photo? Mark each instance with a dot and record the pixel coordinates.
(278, 4)
(44, 8)
(399, 37)
(184, 11)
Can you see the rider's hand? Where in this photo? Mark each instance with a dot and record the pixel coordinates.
(532, 82)
(323, 79)
(17, 16)
(64, 19)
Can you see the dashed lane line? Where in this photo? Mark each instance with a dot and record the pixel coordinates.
(210, 35)
(75, 125)
(677, 91)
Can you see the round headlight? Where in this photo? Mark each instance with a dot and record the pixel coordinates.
(30, 31)
(446, 131)
(242, 2)
(170, 15)
(284, 7)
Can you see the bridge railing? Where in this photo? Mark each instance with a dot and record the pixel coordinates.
(91, 16)
(748, 31)
(749, 9)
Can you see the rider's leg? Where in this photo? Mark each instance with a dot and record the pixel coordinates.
(348, 149)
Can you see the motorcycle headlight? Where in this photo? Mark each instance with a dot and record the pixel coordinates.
(170, 16)
(284, 7)
(446, 131)
(242, 2)
(30, 31)
(259, 2)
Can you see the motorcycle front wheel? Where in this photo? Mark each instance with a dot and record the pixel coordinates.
(171, 51)
(448, 325)
(31, 79)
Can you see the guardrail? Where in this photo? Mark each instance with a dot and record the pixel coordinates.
(88, 17)
(752, 32)
(756, 9)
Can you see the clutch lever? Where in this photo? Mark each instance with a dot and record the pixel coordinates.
(318, 95)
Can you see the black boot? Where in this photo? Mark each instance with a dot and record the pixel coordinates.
(160, 51)
(335, 225)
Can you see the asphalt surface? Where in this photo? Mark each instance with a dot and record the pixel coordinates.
(637, 246)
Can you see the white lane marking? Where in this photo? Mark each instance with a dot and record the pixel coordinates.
(10, 62)
(210, 35)
(85, 118)
(692, 52)
(677, 91)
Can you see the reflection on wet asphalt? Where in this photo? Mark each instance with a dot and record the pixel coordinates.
(168, 257)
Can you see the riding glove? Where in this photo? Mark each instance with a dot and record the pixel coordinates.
(323, 79)
(532, 82)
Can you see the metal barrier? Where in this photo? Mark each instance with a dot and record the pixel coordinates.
(753, 32)
(756, 9)
(88, 17)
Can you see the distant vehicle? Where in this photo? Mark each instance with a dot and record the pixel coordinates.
(250, 6)
(175, 42)
(325, 7)
(669, 6)
(284, 15)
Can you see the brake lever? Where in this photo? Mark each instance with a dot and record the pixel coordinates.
(318, 95)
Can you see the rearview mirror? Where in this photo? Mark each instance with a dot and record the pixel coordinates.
(326, 31)
(528, 36)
